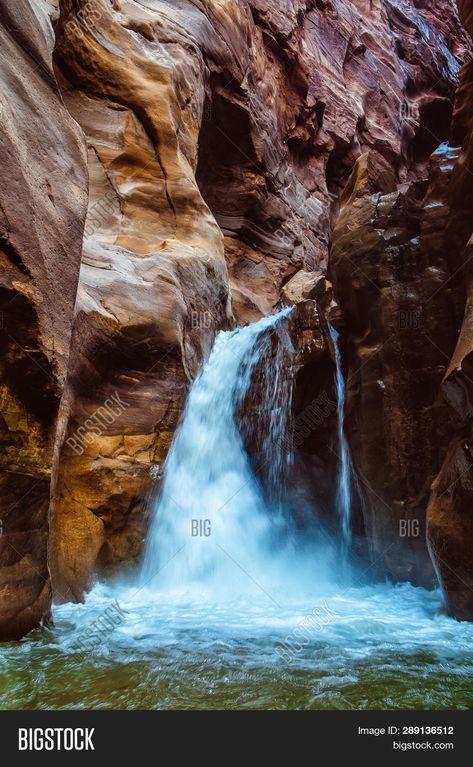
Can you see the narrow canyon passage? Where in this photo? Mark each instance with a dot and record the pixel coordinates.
(236, 354)
(235, 605)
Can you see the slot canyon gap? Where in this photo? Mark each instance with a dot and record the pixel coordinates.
(236, 368)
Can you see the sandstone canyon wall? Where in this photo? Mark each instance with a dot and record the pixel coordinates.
(43, 202)
(174, 168)
(450, 519)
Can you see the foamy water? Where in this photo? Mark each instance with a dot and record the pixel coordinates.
(249, 612)
(371, 646)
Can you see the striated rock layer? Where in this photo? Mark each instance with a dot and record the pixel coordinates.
(450, 517)
(195, 161)
(43, 200)
(390, 268)
(203, 120)
(400, 265)
(153, 283)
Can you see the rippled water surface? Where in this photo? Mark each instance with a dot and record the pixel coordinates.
(372, 647)
(258, 614)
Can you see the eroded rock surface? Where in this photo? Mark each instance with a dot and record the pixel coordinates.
(450, 517)
(43, 198)
(203, 120)
(219, 139)
(153, 285)
(401, 267)
(390, 270)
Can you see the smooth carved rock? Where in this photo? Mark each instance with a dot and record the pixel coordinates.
(218, 138)
(43, 198)
(178, 108)
(153, 285)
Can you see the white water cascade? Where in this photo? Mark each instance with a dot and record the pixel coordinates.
(212, 512)
(236, 619)
(343, 498)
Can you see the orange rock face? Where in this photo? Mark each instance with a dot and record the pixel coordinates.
(173, 168)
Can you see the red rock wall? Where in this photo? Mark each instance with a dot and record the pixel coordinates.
(450, 519)
(219, 139)
(43, 200)
(389, 268)
(401, 269)
(247, 116)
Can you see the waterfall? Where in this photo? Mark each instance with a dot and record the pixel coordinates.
(343, 497)
(212, 510)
